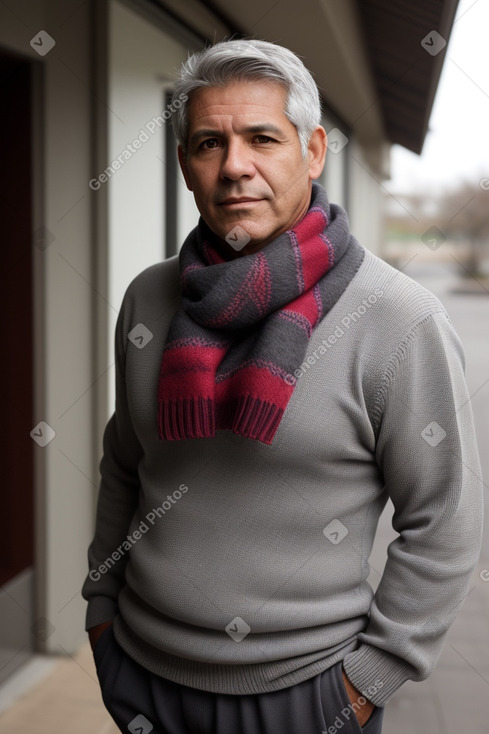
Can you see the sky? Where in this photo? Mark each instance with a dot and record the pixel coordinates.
(456, 147)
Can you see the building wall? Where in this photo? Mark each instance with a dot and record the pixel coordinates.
(352, 180)
(365, 202)
(64, 279)
(335, 172)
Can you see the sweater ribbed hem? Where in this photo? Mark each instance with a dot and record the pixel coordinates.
(101, 609)
(229, 679)
(376, 673)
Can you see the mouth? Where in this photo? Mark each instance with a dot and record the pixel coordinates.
(235, 201)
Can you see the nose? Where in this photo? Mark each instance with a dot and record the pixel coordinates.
(237, 161)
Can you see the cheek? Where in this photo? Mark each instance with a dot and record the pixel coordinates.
(285, 189)
(287, 177)
(202, 190)
(201, 176)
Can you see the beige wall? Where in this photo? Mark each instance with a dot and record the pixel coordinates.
(365, 199)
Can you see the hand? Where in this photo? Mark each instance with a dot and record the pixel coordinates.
(95, 632)
(363, 713)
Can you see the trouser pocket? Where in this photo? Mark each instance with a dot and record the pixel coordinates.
(339, 712)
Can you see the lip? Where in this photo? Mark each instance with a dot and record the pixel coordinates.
(239, 201)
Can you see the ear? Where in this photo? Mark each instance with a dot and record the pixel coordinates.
(316, 148)
(183, 166)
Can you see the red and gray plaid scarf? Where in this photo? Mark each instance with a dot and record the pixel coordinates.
(243, 325)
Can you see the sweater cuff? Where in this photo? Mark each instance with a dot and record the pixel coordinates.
(377, 674)
(100, 609)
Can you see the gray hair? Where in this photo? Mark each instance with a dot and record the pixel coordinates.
(249, 60)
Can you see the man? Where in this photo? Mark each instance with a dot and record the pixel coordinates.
(293, 382)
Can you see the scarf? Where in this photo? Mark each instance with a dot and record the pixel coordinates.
(243, 325)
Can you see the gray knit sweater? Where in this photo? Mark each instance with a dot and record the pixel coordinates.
(237, 567)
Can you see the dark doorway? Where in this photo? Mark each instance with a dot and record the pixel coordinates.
(16, 366)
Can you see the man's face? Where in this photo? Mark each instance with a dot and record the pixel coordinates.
(244, 162)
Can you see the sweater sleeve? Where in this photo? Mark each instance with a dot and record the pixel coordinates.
(117, 499)
(426, 450)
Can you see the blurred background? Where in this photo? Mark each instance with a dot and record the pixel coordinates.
(92, 195)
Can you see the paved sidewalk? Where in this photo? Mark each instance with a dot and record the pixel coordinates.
(452, 700)
(66, 701)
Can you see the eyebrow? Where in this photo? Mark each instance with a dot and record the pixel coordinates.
(261, 127)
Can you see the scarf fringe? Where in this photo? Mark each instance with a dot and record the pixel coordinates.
(257, 419)
(195, 418)
(186, 418)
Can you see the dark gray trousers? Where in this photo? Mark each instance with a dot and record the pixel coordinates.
(141, 702)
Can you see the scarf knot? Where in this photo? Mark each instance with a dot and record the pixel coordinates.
(243, 325)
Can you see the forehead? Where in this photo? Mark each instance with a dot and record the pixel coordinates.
(264, 99)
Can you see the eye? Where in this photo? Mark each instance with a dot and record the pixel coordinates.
(263, 139)
(209, 144)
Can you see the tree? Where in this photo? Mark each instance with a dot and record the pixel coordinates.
(464, 217)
